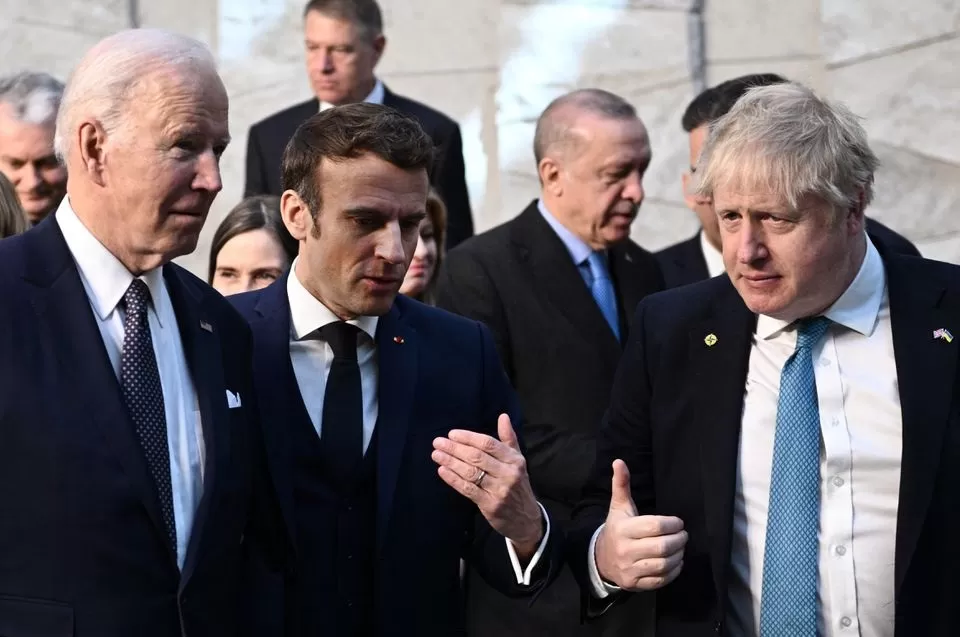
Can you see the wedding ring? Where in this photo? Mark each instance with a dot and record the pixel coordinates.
(480, 478)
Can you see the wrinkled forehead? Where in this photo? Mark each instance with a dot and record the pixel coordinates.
(25, 140)
(176, 98)
(375, 185)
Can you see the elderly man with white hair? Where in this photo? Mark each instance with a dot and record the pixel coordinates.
(781, 455)
(129, 446)
(28, 113)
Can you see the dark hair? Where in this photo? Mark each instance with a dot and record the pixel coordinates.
(347, 132)
(253, 213)
(364, 14)
(715, 102)
(12, 218)
(552, 130)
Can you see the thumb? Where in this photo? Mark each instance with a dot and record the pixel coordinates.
(507, 435)
(621, 499)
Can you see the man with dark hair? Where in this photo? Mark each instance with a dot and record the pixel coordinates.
(699, 257)
(556, 286)
(344, 42)
(367, 392)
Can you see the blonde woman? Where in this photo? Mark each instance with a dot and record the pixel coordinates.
(421, 276)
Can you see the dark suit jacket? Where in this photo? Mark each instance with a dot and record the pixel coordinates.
(269, 138)
(561, 356)
(680, 442)
(683, 263)
(85, 551)
(445, 374)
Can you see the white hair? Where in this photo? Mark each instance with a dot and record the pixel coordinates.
(102, 83)
(33, 97)
(786, 139)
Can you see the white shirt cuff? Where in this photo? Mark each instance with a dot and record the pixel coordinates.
(523, 575)
(599, 588)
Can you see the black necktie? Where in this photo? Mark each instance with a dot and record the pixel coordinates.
(341, 430)
(143, 395)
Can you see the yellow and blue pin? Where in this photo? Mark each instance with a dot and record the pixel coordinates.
(943, 334)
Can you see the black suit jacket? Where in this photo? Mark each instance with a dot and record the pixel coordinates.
(681, 443)
(561, 356)
(268, 139)
(84, 547)
(443, 374)
(683, 263)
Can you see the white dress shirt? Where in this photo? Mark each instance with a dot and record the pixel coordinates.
(375, 97)
(312, 357)
(712, 256)
(861, 429)
(106, 280)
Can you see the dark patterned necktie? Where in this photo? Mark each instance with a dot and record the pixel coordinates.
(341, 430)
(143, 395)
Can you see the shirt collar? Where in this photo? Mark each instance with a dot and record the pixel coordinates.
(856, 309)
(712, 256)
(578, 249)
(105, 278)
(308, 314)
(376, 96)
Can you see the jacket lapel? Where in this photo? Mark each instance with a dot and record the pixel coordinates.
(634, 278)
(60, 301)
(397, 357)
(201, 348)
(717, 391)
(926, 370)
(563, 285)
(278, 391)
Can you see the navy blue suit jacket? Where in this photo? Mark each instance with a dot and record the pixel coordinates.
(437, 372)
(675, 416)
(84, 551)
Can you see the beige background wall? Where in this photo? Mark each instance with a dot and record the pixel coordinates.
(494, 64)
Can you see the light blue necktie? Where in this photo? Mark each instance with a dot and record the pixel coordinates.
(602, 289)
(788, 604)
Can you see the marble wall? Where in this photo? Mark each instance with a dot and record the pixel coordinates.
(494, 64)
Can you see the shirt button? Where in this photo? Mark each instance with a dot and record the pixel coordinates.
(834, 421)
(838, 481)
(845, 622)
(842, 550)
(824, 362)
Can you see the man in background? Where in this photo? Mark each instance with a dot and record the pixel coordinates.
(344, 42)
(28, 114)
(556, 286)
(700, 257)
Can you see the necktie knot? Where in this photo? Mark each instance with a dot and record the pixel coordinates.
(342, 338)
(811, 330)
(136, 298)
(598, 266)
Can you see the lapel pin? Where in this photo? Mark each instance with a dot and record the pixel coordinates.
(628, 258)
(206, 327)
(398, 340)
(710, 340)
(944, 334)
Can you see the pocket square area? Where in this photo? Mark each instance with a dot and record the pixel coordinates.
(233, 400)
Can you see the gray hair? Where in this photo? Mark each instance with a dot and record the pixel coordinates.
(787, 139)
(102, 84)
(34, 97)
(555, 124)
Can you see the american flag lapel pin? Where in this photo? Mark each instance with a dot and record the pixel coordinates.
(206, 327)
(943, 334)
